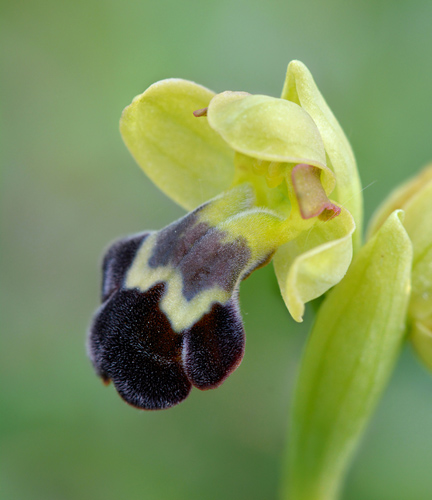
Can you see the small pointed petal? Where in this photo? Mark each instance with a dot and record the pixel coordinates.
(301, 88)
(315, 261)
(180, 153)
(269, 129)
(347, 362)
(214, 346)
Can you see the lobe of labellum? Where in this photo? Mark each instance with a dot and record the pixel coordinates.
(132, 343)
(310, 194)
(214, 346)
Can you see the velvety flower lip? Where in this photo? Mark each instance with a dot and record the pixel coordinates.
(170, 318)
(257, 173)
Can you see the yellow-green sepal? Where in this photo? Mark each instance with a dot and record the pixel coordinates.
(179, 152)
(300, 88)
(316, 260)
(347, 362)
(269, 129)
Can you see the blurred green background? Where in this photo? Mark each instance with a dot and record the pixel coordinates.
(69, 187)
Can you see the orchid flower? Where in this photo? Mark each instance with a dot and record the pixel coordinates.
(256, 174)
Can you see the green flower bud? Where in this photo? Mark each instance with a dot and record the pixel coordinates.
(415, 198)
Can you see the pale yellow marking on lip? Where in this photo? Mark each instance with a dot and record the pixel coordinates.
(180, 312)
(183, 313)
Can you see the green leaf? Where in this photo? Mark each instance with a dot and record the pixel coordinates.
(301, 88)
(348, 360)
(180, 153)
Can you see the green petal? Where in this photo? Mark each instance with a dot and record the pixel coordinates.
(180, 153)
(348, 360)
(269, 129)
(301, 88)
(314, 262)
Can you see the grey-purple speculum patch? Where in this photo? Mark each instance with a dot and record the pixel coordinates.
(202, 255)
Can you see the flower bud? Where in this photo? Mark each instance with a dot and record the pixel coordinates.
(415, 198)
